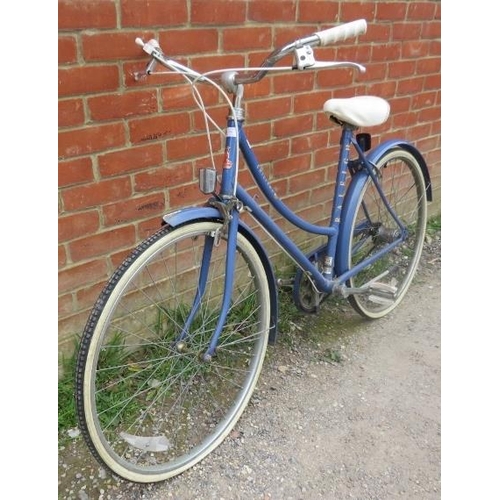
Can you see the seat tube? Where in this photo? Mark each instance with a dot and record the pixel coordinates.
(340, 187)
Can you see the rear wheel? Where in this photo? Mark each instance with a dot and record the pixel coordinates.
(373, 229)
(148, 405)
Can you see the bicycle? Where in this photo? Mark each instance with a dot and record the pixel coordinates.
(175, 343)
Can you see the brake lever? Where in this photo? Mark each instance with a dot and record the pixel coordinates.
(336, 64)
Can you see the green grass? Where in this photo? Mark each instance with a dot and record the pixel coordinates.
(434, 224)
(65, 393)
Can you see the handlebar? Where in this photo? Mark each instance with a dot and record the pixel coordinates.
(302, 48)
(342, 32)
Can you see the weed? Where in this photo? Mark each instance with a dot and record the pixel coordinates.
(65, 393)
(434, 224)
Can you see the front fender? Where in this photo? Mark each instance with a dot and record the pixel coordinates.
(192, 214)
(376, 154)
(179, 217)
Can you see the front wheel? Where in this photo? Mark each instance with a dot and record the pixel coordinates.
(373, 229)
(149, 404)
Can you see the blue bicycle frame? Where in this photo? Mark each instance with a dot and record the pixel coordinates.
(232, 198)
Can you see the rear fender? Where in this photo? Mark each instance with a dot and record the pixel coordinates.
(193, 214)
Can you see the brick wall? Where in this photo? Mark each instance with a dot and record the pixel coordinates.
(123, 157)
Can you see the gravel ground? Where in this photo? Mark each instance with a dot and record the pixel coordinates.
(344, 409)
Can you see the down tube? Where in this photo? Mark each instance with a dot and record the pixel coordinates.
(283, 240)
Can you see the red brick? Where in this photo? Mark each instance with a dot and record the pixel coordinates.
(81, 275)
(325, 156)
(181, 97)
(163, 177)
(415, 49)
(428, 65)
(351, 11)
(153, 13)
(293, 126)
(432, 82)
(243, 39)
(148, 227)
(431, 29)
(401, 69)
(421, 10)
(400, 104)
(87, 79)
(61, 256)
(291, 165)
(359, 53)
(188, 147)
(102, 244)
(134, 209)
(66, 49)
(272, 11)
(406, 31)
(217, 62)
(386, 52)
(272, 151)
(375, 71)
(189, 41)
(158, 127)
(429, 115)
(116, 106)
(324, 12)
(310, 102)
(423, 100)
(410, 85)
(306, 181)
(269, 108)
(86, 297)
(70, 112)
(332, 78)
(298, 81)
(81, 14)
(65, 305)
(95, 194)
(285, 34)
(90, 140)
(259, 132)
(75, 171)
(309, 142)
(391, 11)
(185, 195)
(405, 120)
(218, 11)
(382, 89)
(78, 225)
(111, 46)
(375, 32)
(130, 159)
(258, 89)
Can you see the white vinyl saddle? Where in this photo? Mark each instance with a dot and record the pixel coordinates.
(361, 111)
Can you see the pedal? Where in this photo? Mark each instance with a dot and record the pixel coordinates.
(382, 293)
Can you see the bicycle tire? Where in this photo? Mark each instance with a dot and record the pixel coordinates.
(149, 408)
(371, 228)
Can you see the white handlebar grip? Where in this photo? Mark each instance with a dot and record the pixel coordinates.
(139, 42)
(342, 32)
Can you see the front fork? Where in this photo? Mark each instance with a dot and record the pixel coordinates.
(230, 230)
